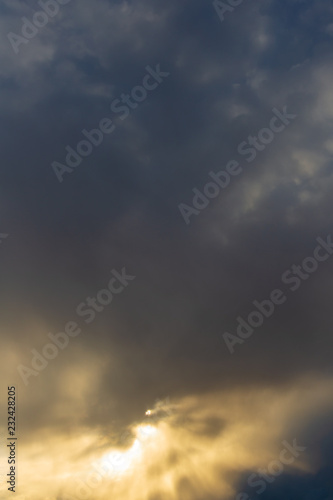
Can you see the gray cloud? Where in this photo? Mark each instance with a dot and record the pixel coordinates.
(163, 337)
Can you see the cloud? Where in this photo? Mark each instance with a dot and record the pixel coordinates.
(120, 208)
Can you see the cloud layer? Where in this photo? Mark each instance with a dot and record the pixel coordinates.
(163, 337)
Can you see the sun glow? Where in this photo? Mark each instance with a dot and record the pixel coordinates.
(145, 431)
(119, 463)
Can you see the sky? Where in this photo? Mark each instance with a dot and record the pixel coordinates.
(166, 249)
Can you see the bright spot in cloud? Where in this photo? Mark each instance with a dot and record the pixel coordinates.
(145, 431)
(120, 462)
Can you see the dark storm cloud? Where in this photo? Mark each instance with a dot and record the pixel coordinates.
(120, 206)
